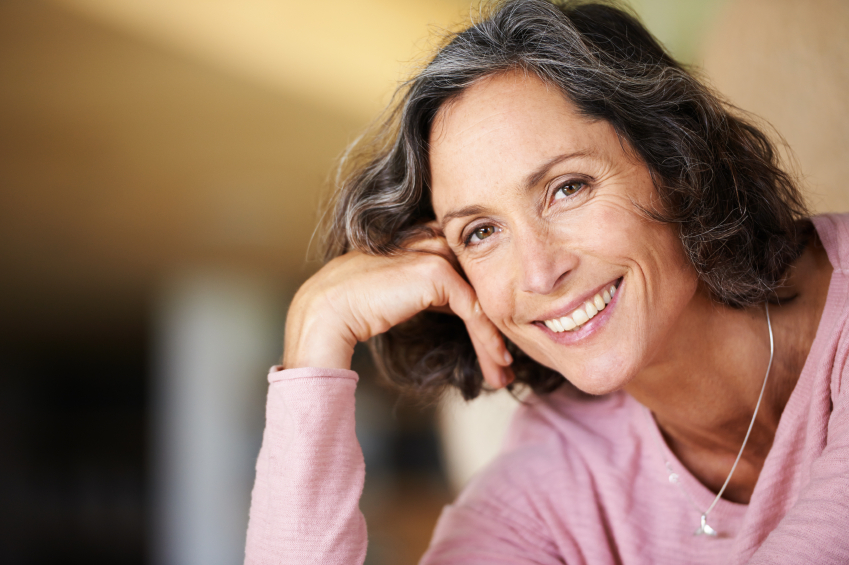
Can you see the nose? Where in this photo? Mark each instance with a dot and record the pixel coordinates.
(545, 261)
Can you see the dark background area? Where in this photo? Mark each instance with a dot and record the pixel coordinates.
(73, 443)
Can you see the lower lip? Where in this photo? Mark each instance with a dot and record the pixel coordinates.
(590, 328)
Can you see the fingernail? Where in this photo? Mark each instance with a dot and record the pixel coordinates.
(477, 307)
(508, 358)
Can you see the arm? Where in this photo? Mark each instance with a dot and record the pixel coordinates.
(310, 473)
(310, 470)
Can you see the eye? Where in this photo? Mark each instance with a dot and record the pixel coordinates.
(479, 234)
(568, 189)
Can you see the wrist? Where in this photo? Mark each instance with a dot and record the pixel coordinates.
(317, 353)
(316, 339)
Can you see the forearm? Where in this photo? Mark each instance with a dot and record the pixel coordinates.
(310, 473)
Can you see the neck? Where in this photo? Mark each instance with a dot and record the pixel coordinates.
(702, 387)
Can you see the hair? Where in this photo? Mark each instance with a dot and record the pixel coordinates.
(717, 175)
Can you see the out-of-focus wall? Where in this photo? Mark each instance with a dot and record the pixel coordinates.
(681, 25)
(139, 140)
(345, 56)
(216, 331)
(788, 63)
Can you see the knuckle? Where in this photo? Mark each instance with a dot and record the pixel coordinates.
(432, 265)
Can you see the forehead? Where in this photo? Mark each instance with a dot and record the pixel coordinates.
(501, 129)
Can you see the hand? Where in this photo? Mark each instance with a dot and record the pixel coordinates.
(357, 296)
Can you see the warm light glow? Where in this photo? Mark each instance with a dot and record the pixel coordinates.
(347, 55)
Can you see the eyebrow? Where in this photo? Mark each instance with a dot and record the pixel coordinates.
(530, 181)
(533, 179)
(462, 213)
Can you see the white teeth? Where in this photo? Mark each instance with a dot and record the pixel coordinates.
(580, 317)
(583, 314)
(599, 302)
(568, 323)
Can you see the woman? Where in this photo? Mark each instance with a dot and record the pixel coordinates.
(556, 202)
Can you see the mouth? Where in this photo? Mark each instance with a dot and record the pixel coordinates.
(578, 318)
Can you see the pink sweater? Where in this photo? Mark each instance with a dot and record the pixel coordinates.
(578, 481)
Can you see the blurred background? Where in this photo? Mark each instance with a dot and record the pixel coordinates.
(161, 168)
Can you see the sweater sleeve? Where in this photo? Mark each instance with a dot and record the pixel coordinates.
(309, 474)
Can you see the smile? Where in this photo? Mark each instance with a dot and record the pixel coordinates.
(584, 313)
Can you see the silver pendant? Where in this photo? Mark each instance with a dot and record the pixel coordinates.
(705, 529)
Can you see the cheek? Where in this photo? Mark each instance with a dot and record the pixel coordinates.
(616, 228)
(491, 278)
(608, 230)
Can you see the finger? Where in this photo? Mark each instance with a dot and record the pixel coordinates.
(465, 304)
(441, 310)
(436, 245)
(451, 290)
(488, 335)
(494, 374)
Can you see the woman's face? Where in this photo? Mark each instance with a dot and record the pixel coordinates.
(540, 206)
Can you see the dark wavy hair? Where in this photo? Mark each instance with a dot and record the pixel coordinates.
(717, 175)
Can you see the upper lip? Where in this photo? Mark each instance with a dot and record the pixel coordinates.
(576, 303)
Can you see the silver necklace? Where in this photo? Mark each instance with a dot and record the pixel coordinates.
(705, 528)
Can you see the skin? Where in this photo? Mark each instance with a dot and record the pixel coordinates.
(539, 208)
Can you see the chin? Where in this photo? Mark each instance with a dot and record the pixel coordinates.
(596, 387)
(598, 379)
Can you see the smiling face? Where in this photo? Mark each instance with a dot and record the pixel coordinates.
(539, 204)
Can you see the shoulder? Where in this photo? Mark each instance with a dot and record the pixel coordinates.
(830, 352)
(833, 231)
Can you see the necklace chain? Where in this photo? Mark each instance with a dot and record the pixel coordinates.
(674, 478)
